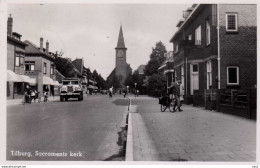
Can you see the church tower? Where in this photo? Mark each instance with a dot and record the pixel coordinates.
(121, 69)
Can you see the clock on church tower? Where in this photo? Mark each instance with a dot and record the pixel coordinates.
(120, 54)
(122, 69)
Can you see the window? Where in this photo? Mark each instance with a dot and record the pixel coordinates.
(182, 74)
(176, 47)
(209, 74)
(231, 22)
(198, 36)
(52, 69)
(44, 68)
(19, 59)
(190, 37)
(195, 68)
(232, 75)
(74, 82)
(207, 33)
(175, 74)
(29, 65)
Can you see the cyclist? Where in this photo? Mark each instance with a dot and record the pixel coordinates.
(174, 91)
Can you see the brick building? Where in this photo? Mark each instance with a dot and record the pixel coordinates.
(79, 65)
(39, 64)
(215, 48)
(16, 80)
(167, 68)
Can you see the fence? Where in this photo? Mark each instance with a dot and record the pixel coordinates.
(237, 102)
(210, 99)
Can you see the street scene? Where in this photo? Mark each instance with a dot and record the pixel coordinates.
(106, 82)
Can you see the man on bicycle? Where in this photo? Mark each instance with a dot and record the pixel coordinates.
(174, 91)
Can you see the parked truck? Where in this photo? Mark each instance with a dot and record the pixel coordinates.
(71, 88)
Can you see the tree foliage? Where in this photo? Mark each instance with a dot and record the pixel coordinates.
(156, 59)
(113, 81)
(156, 85)
(64, 66)
(101, 83)
(134, 78)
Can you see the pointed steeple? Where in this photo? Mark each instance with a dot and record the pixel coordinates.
(120, 42)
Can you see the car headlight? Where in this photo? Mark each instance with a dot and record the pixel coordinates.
(63, 89)
(77, 88)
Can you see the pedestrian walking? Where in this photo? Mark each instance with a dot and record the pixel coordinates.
(181, 92)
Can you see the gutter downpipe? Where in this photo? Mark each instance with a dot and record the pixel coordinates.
(218, 47)
(186, 77)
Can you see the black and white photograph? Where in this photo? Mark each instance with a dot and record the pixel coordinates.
(129, 82)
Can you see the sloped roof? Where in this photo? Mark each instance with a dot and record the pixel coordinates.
(121, 42)
(34, 49)
(140, 69)
(112, 73)
(59, 76)
(78, 63)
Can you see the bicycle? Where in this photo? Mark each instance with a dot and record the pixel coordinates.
(26, 99)
(167, 102)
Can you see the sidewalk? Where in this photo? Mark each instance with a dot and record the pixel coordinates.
(195, 134)
(19, 101)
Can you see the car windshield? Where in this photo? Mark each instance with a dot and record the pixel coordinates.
(74, 82)
(66, 82)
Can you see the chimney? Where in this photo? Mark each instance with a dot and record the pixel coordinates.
(47, 47)
(10, 25)
(41, 44)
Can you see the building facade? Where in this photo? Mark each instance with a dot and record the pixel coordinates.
(167, 69)
(39, 65)
(215, 48)
(16, 80)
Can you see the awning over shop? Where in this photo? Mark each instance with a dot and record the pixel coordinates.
(56, 83)
(25, 79)
(12, 77)
(49, 81)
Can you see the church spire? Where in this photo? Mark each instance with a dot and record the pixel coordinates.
(121, 42)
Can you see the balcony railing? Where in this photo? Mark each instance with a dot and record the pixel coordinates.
(31, 73)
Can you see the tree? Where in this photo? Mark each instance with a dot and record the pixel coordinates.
(64, 66)
(156, 59)
(113, 81)
(156, 85)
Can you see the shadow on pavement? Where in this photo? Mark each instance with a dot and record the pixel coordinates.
(121, 142)
(121, 102)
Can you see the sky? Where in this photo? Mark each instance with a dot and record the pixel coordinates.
(90, 31)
